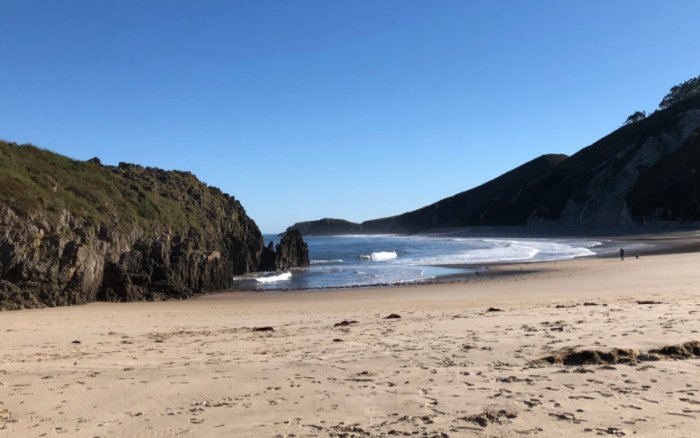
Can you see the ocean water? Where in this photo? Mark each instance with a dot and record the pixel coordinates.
(347, 261)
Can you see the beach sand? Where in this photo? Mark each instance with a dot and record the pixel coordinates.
(449, 366)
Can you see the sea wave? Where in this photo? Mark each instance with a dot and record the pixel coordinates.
(283, 276)
(546, 250)
(393, 259)
(502, 250)
(325, 262)
(508, 253)
(380, 256)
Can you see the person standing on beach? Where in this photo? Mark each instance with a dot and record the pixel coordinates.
(622, 254)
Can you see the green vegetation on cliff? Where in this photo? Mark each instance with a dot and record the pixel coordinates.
(36, 180)
(681, 92)
(73, 232)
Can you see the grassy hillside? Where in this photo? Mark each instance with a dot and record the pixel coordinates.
(34, 179)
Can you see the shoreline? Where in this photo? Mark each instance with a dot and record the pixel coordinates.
(455, 359)
(676, 241)
(634, 232)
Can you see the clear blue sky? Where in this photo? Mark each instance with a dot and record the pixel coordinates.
(355, 109)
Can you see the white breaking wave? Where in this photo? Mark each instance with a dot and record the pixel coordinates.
(502, 250)
(506, 253)
(380, 256)
(554, 250)
(373, 260)
(284, 276)
(324, 262)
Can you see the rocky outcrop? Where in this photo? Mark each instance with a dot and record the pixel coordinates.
(291, 252)
(73, 262)
(124, 233)
(327, 227)
(268, 258)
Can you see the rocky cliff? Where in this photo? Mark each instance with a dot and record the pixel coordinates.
(670, 190)
(292, 251)
(74, 232)
(643, 173)
(596, 186)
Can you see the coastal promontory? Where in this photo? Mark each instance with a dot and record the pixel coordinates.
(74, 232)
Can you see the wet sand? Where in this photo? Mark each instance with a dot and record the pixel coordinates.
(463, 359)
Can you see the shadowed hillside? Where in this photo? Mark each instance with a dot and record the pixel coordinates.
(591, 187)
(488, 204)
(642, 173)
(670, 190)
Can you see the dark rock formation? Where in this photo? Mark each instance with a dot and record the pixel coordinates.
(645, 173)
(268, 258)
(75, 232)
(327, 227)
(291, 252)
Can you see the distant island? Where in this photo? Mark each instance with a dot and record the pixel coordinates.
(74, 232)
(644, 173)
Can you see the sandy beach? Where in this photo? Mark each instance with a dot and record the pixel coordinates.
(463, 359)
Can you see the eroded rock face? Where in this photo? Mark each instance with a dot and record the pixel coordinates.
(601, 200)
(55, 258)
(73, 262)
(291, 252)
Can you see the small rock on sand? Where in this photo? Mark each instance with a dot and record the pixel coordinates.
(266, 328)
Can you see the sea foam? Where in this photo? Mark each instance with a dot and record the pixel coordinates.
(397, 259)
(325, 262)
(284, 276)
(380, 256)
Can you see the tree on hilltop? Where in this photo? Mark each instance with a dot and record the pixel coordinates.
(635, 117)
(680, 92)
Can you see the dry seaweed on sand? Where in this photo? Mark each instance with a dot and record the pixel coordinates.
(491, 416)
(571, 357)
